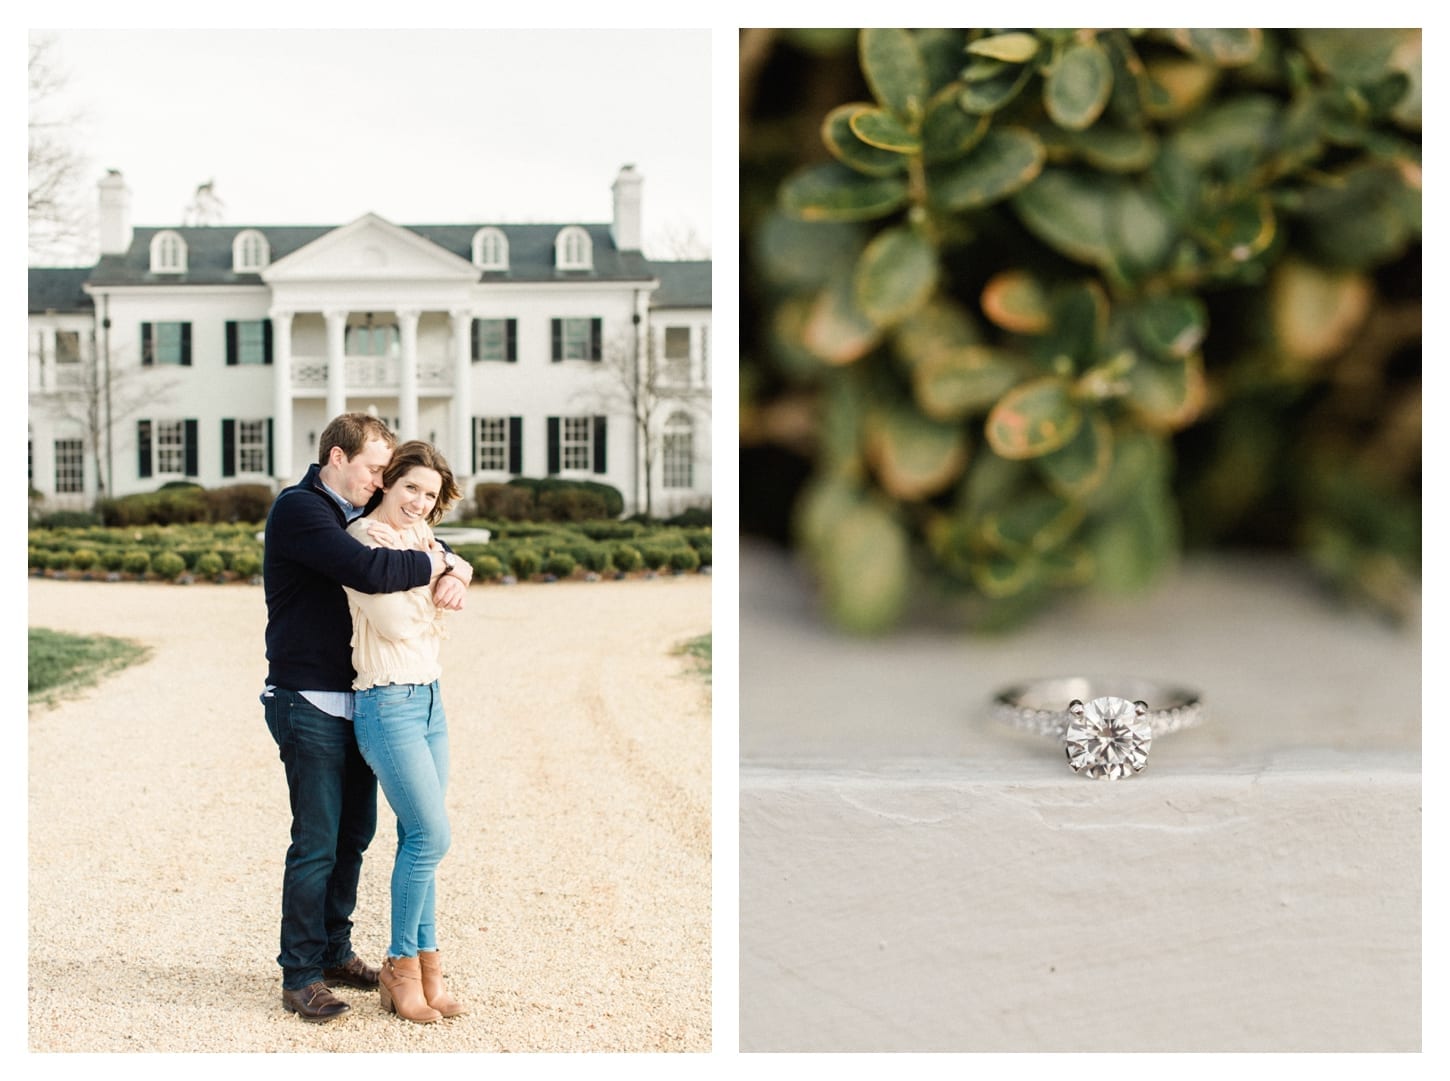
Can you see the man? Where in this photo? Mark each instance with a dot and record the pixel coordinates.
(308, 557)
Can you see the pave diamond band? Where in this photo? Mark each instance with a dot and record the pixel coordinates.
(1106, 724)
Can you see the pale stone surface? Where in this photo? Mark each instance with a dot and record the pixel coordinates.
(915, 876)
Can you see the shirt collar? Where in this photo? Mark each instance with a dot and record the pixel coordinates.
(349, 510)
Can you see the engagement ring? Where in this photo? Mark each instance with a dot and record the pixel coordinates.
(1106, 725)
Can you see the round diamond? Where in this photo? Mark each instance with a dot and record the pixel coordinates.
(1107, 738)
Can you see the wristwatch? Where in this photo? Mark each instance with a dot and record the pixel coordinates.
(450, 561)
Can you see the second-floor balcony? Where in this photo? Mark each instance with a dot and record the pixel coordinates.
(363, 373)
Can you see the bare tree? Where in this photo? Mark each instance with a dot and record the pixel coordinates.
(635, 380)
(206, 207)
(678, 240)
(60, 221)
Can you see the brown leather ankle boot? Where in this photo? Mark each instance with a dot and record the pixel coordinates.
(433, 988)
(400, 990)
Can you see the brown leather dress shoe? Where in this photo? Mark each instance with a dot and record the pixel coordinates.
(314, 1002)
(353, 972)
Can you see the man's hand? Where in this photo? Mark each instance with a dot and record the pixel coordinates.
(384, 535)
(449, 591)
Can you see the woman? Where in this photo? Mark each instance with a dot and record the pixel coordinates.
(400, 726)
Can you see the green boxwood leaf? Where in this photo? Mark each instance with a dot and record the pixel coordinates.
(1114, 150)
(954, 383)
(1239, 231)
(1141, 231)
(913, 457)
(801, 254)
(1035, 522)
(895, 71)
(1171, 327)
(1082, 464)
(1165, 394)
(896, 275)
(1000, 575)
(1226, 48)
(848, 148)
(836, 330)
(1005, 161)
(1033, 419)
(1015, 301)
(881, 129)
(1016, 47)
(1068, 213)
(832, 192)
(866, 570)
(1078, 86)
(1132, 545)
(948, 132)
(991, 85)
(941, 324)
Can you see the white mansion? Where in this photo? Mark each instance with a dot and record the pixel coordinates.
(217, 353)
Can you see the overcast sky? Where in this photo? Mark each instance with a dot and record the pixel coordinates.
(317, 127)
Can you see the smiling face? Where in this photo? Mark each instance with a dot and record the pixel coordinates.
(410, 498)
(357, 478)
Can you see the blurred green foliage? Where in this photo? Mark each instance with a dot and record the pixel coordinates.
(1026, 310)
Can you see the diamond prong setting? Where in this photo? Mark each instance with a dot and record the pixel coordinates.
(1107, 738)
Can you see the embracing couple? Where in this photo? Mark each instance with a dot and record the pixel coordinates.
(356, 588)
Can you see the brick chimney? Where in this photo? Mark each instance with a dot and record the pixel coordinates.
(115, 214)
(627, 229)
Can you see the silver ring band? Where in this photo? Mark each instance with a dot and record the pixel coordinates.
(1106, 725)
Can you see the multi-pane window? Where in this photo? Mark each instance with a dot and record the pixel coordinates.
(493, 443)
(572, 249)
(251, 446)
(168, 253)
(677, 354)
(70, 465)
(170, 448)
(373, 341)
(249, 251)
(166, 343)
(67, 347)
(577, 339)
(251, 339)
(678, 452)
(490, 250)
(575, 445)
(495, 339)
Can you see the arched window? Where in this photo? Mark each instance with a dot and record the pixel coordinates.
(168, 253)
(250, 251)
(572, 249)
(490, 249)
(678, 452)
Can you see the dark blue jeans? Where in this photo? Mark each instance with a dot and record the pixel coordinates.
(334, 798)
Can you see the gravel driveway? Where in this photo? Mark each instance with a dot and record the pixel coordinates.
(574, 905)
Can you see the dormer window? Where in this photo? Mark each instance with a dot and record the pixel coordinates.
(168, 253)
(250, 252)
(490, 249)
(572, 249)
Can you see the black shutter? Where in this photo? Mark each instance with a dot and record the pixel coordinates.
(231, 343)
(191, 469)
(186, 344)
(596, 339)
(474, 443)
(229, 446)
(271, 472)
(600, 428)
(475, 343)
(516, 444)
(512, 346)
(147, 356)
(266, 341)
(143, 446)
(553, 446)
(556, 329)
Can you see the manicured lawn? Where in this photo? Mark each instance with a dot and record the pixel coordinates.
(60, 661)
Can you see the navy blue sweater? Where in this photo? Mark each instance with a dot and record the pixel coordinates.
(307, 557)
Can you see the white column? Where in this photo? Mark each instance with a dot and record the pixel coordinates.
(408, 374)
(460, 455)
(47, 358)
(336, 372)
(282, 397)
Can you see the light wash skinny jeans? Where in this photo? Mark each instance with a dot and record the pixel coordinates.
(403, 736)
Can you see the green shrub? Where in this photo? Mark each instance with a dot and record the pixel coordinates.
(136, 562)
(83, 559)
(58, 561)
(210, 564)
(613, 498)
(168, 565)
(703, 550)
(486, 568)
(559, 564)
(68, 519)
(610, 530)
(626, 558)
(504, 501)
(691, 517)
(654, 556)
(684, 559)
(238, 503)
(524, 562)
(247, 564)
(112, 558)
(1037, 256)
(592, 557)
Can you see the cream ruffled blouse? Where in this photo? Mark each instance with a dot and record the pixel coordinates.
(395, 636)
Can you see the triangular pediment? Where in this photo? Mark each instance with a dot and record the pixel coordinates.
(370, 249)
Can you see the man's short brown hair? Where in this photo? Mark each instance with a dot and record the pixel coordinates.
(351, 432)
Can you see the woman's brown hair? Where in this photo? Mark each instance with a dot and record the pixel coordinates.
(414, 454)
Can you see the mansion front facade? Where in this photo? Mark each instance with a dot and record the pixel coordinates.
(217, 354)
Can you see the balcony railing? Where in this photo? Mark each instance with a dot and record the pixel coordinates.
(370, 373)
